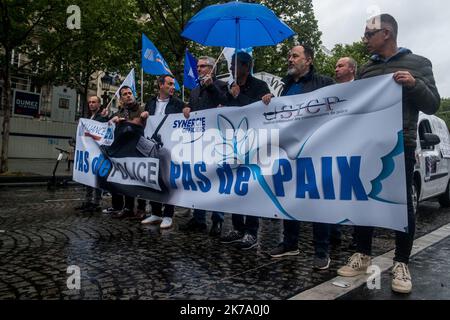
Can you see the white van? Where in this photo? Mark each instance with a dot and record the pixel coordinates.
(431, 173)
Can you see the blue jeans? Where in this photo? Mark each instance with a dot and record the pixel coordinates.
(200, 216)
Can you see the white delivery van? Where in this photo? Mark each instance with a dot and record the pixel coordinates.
(431, 173)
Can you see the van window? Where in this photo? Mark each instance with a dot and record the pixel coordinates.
(424, 127)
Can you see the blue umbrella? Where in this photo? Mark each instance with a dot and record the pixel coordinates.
(236, 25)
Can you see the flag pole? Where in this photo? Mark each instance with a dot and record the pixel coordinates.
(109, 104)
(142, 85)
(182, 93)
(217, 61)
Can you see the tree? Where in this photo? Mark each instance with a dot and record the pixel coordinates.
(299, 15)
(444, 111)
(167, 19)
(107, 40)
(24, 27)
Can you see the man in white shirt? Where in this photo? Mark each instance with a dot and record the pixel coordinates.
(164, 103)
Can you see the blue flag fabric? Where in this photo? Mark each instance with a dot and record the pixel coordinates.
(129, 82)
(153, 62)
(190, 79)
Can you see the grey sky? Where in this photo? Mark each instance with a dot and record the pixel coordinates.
(424, 27)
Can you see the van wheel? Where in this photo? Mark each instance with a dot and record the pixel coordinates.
(415, 197)
(444, 199)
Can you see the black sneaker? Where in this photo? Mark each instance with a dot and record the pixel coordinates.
(193, 226)
(248, 242)
(232, 236)
(282, 251)
(321, 263)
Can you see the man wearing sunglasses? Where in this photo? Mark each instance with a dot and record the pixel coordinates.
(414, 73)
(211, 93)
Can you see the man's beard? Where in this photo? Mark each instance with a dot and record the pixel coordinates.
(292, 71)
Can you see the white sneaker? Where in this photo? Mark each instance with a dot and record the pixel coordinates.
(166, 223)
(356, 265)
(401, 278)
(152, 220)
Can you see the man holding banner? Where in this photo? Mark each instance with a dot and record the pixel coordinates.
(164, 103)
(302, 78)
(93, 196)
(246, 89)
(414, 73)
(210, 93)
(131, 117)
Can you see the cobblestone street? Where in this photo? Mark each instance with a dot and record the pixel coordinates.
(41, 235)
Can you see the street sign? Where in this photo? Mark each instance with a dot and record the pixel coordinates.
(26, 103)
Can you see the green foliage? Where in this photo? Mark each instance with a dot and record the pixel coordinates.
(444, 111)
(107, 40)
(445, 105)
(110, 37)
(167, 19)
(299, 15)
(28, 27)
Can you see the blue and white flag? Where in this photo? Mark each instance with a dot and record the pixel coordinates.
(129, 82)
(190, 79)
(153, 62)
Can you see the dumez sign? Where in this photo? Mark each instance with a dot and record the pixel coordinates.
(26, 103)
(334, 155)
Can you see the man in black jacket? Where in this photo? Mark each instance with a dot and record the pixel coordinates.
(211, 93)
(93, 196)
(164, 103)
(414, 73)
(302, 78)
(130, 121)
(245, 90)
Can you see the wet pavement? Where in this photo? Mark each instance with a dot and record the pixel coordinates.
(41, 236)
(431, 278)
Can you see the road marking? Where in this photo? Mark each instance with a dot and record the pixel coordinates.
(328, 291)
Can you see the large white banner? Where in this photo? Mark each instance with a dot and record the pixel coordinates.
(334, 155)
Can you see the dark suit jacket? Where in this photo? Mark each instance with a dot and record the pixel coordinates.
(208, 97)
(253, 90)
(175, 105)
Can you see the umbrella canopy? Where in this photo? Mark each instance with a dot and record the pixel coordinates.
(236, 25)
